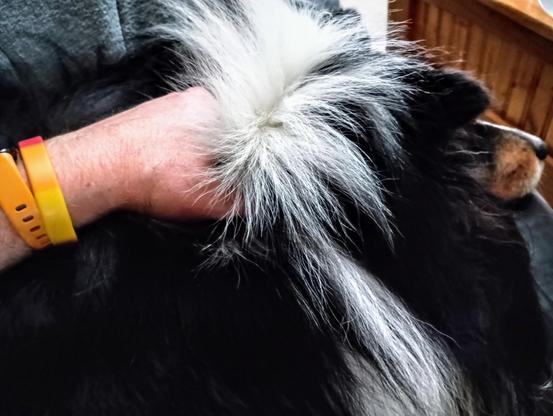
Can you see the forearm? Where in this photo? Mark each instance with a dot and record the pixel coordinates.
(150, 159)
(86, 172)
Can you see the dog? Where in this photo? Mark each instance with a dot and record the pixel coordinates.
(369, 266)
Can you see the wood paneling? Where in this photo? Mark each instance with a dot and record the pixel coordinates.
(399, 10)
(546, 185)
(511, 54)
(527, 13)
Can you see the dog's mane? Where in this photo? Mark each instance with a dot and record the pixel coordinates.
(285, 152)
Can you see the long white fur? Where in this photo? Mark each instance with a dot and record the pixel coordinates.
(277, 155)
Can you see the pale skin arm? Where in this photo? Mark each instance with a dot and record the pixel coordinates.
(149, 159)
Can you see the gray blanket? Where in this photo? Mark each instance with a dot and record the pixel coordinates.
(50, 37)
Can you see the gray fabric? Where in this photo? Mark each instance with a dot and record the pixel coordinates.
(54, 36)
(535, 222)
(49, 38)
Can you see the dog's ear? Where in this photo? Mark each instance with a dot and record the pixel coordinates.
(445, 98)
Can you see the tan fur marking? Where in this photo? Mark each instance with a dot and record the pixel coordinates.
(517, 169)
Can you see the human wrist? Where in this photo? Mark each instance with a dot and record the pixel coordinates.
(90, 188)
(87, 173)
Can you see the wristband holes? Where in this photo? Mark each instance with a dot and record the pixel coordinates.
(40, 237)
(28, 218)
(20, 207)
(35, 228)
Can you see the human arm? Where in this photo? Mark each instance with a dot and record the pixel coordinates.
(150, 159)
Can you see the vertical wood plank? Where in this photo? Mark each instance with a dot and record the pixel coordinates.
(546, 185)
(541, 107)
(481, 59)
(548, 122)
(432, 25)
(532, 90)
(491, 61)
(447, 29)
(503, 80)
(520, 90)
(474, 49)
(420, 20)
(462, 42)
(400, 10)
(548, 137)
(544, 188)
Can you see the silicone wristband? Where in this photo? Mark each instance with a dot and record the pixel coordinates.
(17, 202)
(47, 191)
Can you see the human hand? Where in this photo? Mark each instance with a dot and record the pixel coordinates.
(152, 159)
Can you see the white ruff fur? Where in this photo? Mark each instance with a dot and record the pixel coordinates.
(280, 147)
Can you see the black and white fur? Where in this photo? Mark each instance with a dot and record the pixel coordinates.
(361, 271)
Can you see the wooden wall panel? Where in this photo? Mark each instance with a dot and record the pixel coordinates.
(524, 84)
(546, 185)
(420, 19)
(549, 135)
(400, 10)
(474, 49)
(503, 82)
(540, 114)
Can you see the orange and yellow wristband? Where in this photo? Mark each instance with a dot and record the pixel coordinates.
(18, 203)
(47, 192)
